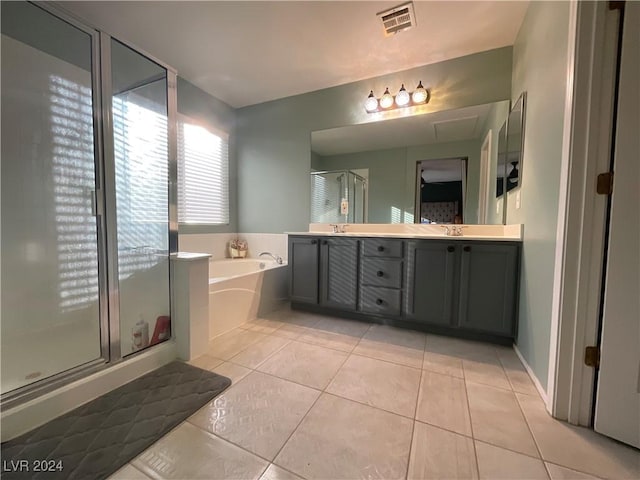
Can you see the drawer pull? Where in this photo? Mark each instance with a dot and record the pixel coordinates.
(325, 242)
(381, 248)
(451, 249)
(380, 273)
(313, 242)
(379, 301)
(467, 248)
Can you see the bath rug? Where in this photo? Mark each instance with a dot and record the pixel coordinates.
(98, 438)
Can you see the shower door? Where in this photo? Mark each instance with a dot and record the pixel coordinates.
(52, 303)
(141, 166)
(89, 217)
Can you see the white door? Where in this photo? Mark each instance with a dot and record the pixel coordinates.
(618, 391)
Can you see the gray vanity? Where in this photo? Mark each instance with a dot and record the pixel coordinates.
(450, 285)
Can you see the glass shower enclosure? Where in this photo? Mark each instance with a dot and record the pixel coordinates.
(338, 196)
(88, 158)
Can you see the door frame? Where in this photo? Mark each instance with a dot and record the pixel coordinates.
(580, 237)
(485, 177)
(417, 201)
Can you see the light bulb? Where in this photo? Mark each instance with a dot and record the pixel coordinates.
(387, 99)
(371, 104)
(402, 98)
(420, 94)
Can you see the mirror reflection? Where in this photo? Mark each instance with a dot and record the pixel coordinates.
(440, 167)
(515, 131)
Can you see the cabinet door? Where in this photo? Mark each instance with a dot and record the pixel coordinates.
(339, 273)
(488, 285)
(431, 282)
(303, 264)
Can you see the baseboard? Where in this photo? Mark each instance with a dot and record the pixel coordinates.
(541, 391)
(29, 415)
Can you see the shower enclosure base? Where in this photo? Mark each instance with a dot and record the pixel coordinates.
(29, 415)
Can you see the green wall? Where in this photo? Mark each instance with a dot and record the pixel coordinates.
(273, 151)
(540, 69)
(208, 110)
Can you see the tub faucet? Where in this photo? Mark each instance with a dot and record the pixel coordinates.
(453, 230)
(339, 228)
(277, 258)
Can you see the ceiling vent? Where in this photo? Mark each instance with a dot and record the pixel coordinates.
(398, 18)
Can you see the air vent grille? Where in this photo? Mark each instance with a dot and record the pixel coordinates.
(398, 18)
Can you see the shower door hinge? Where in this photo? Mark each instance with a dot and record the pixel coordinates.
(592, 356)
(604, 184)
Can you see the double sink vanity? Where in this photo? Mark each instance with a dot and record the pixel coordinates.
(413, 276)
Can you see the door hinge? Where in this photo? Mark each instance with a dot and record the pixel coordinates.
(604, 185)
(592, 357)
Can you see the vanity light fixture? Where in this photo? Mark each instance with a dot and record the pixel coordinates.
(403, 99)
(371, 104)
(420, 95)
(386, 100)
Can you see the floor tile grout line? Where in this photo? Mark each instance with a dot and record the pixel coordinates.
(323, 391)
(535, 440)
(265, 359)
(570, 468)
(473, 441)
(244, 449)
(413, 424)
(386, 361)
(287, 470)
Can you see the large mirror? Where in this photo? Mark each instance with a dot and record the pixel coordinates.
(515, 141)
(440, 167)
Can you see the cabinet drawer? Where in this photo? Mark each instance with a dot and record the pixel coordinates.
(382, 247)
(380, 300)
(379, 272)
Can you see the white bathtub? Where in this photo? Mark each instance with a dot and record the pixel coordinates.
(242, 289)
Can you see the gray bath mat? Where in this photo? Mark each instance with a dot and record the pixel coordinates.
(98, 438)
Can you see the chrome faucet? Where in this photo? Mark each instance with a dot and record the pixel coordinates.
(453, 230)
(277, 258)
(338, 228)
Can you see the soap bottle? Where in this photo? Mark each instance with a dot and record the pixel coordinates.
(140, 335)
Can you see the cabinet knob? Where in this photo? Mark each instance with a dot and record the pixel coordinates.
(313, 242)
(451, 249)
(380, 273)
(381, 248)
(467, 248)
(324, 242)
(379, 301)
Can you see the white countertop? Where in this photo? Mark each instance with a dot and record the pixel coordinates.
(463, 237)
(498, 233)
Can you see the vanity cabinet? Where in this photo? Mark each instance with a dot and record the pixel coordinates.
(432, 282)
(339, 272)
(324, 271)
(467, 288)
(488, 286)
(381, 265)
(303, 269)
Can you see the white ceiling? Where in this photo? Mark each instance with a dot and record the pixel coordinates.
(250, 52)
(438, 127)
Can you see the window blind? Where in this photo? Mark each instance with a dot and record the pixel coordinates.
(203, 174)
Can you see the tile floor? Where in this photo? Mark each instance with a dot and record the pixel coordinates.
(318, 397)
